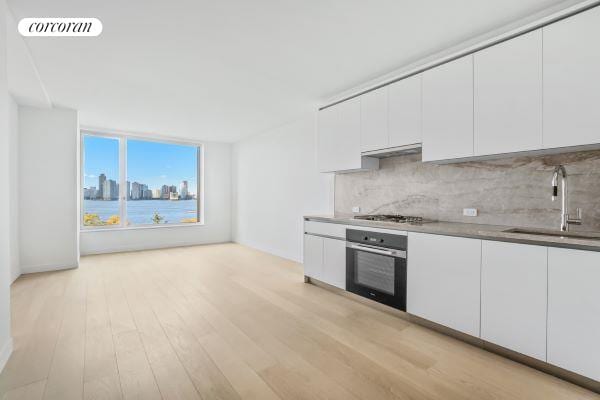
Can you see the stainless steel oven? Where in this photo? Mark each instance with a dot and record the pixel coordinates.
(376, 266)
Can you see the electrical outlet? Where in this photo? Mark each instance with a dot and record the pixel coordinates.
(470, 212)
(356, 209)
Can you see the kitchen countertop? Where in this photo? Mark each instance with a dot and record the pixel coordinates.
(475, 231)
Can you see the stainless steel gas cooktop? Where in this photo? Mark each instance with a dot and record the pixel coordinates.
(401, 219)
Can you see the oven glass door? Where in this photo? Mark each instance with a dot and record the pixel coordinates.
(376, 274)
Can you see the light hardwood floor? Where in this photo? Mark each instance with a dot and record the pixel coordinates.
(229, 322)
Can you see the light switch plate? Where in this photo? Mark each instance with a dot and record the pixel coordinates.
(356, 209)
(470, 212)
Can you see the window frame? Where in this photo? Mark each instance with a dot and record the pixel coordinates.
(122, 138)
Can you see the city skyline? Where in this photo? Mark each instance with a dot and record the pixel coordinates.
(108, 189)
(153, 164)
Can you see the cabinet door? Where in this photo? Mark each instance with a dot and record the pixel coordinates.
(508, 96)
(444, 280)
(328, 125)
(571, 84)
(448, 110)
(334, 262)
(514, 296)
(373, 115)
(574, 311)
(313, 256)
(404, 112)
(338, 143)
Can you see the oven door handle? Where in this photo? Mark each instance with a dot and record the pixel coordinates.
(377, 250)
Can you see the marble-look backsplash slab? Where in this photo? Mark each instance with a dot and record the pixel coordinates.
(510, 191)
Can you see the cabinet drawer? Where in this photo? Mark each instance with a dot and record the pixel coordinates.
(325, 229)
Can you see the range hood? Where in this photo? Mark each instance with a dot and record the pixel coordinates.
(393, 151)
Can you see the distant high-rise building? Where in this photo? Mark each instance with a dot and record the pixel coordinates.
(164, 192)
(128, 194)
(173, 189)
(156, 193)
(90, 193)
(183, 190)
(101, 180)
(136, 191)
(147, 194)
(110, 190)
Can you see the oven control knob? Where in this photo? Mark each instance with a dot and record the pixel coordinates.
(380, 240)
(366, 238)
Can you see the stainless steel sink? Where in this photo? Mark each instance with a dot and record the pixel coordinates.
(548, 232)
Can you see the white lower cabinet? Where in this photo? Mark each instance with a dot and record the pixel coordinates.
(514, 296)
(325, 260)
(574, 311)
(444, 280)
(313, 256)
(334, 262)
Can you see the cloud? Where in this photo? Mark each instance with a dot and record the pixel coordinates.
(163, 176)
(91, 176)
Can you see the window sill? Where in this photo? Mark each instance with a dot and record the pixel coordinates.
(138, 227)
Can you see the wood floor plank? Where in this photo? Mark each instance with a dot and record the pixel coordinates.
(34, 346)
(135, 374)
(244, 379)
(107, 387)
(65, 378)
(171, 377)
(206, 377)
(101, 375)
(33, 391)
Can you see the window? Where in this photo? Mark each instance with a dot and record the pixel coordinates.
(101, 204)
(130, 182)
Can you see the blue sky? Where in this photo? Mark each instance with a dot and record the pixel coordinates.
(152, 163)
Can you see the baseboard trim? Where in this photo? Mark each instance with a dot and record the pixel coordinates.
(129, 249)
(34, 269)
(5, 353)
(14, 277)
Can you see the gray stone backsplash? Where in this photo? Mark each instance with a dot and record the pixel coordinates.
(510, 191)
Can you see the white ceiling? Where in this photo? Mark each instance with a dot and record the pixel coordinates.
(225, 69)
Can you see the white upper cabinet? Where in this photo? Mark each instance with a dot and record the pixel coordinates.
(574, 311)
(373, 120)
(508, 96)
(448, 110)
(514, 296)
(327, 131)
(571, 83)
(338, 138)
(443, 283)
(404, 112)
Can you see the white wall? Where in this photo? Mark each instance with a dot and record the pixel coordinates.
(24, 82)
(48, 189)
(5, 337)
(276, 182)
(13, 169)
(217, 213)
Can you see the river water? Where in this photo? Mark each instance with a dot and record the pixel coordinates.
(140, 212)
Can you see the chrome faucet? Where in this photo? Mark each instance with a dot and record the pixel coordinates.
(565, 219)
